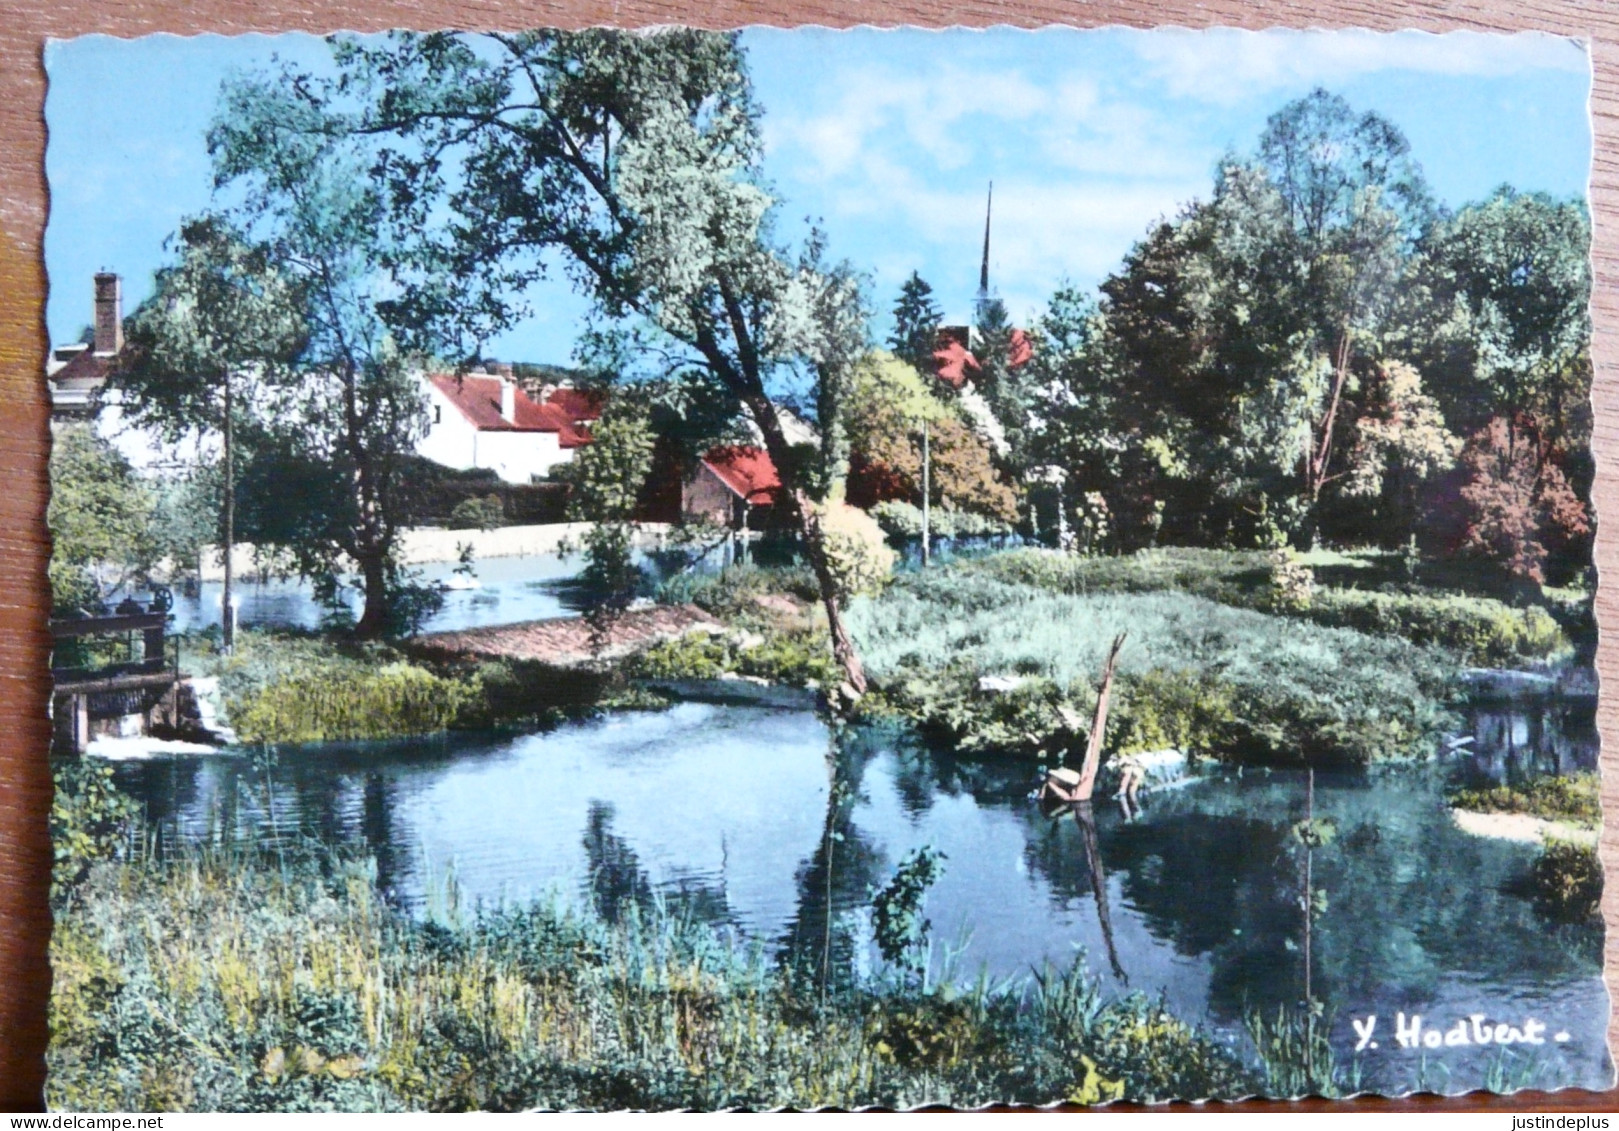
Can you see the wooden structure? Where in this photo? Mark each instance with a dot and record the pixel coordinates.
(110, 668)
(1065, 785)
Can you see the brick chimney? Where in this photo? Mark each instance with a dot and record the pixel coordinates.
(508, 400)
(109, 314)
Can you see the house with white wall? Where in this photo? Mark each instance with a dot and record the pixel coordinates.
(487, 420)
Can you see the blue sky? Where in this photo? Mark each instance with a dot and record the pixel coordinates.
(889, 138)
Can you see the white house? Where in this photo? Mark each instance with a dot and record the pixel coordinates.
(484, 420)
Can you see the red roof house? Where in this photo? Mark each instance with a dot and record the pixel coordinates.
(487, 421)
(730, 482)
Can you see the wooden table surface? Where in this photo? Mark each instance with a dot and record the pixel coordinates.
(24, 604)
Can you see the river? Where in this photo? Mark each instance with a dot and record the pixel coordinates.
(724, 809)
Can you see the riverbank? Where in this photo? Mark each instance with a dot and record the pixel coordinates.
(426, 545)
(259, 981)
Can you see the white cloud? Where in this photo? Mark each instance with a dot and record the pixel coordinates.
(1226, 65)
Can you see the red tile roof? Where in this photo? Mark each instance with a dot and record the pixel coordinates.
(954, 363)
(478, 399)
(86, 368)
(579, 404)
(746, 470)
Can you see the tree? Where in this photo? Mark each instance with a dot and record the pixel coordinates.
(345, 429)
(607, 478)
(1504, 321)
(100, 517)
(1514, 502)
(1355, 203)
(636, 156)
(916, 324)
(221, 326)
(1400, 438)
(889, 405)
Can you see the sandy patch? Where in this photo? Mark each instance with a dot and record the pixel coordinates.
(1520, 827)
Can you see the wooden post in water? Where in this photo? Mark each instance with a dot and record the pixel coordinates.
(1093, 748)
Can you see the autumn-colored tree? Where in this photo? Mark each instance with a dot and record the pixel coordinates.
(1515, 503)
(889, 405)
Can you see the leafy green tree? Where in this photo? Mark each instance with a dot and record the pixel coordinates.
(216, 335)
(637, 157)
(1355, 203)
(607, 478)
(1504, 322)
(346, 428)
(916, 324)
(100, 517)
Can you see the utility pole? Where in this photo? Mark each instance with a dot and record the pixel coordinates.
(926, 492)
(227, 614)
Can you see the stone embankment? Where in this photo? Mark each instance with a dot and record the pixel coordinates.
(567, 641)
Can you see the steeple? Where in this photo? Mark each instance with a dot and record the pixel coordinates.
(983, 270)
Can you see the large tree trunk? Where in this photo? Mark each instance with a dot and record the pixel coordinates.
(843, 647)
(374, 618)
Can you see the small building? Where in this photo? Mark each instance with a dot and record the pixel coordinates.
(954, 362)
(75, 373)
(487, 421)
(734, 485)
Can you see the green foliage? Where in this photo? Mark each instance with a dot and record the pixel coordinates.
(903, 520)
(1295, 1053)
(916, 323)
(479, 512)
(857, 554)
(896, 912)
(1567, 880)
(90, 821)
(607, 478)
(1477, 630)
(1554, 797)
(243, 981)
(292, 689)
(799, 658)
(1270, 688)
(100, 516)
(736, 589)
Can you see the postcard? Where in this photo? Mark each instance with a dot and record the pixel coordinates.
(673, 569)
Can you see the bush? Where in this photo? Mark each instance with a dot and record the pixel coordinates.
(737, 588)
(902, 520)
(304, 689)
(799, 658)
(480, 512)
(1479, 630)
(1576, 797)
(90, 821)
(1567, 880)
(856, 551)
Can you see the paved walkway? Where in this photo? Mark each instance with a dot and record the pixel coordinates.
(565, 641)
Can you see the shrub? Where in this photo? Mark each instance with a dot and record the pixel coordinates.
(856, 551)
(1576, 797)
(736, 588)
(480, 512)
(1567, 880)
(251, 982)
(1479, 630)
(319, 706)
(90, 821)
(903, 520)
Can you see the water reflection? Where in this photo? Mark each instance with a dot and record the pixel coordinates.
(767, 823)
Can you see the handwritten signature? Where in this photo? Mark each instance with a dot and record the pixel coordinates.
(1476, 1029)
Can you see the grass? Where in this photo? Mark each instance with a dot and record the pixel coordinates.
(1478, 630)
(236, 981)
(1575, 798)
(1195, 673)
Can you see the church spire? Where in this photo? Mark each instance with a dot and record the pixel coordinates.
(983, 270)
